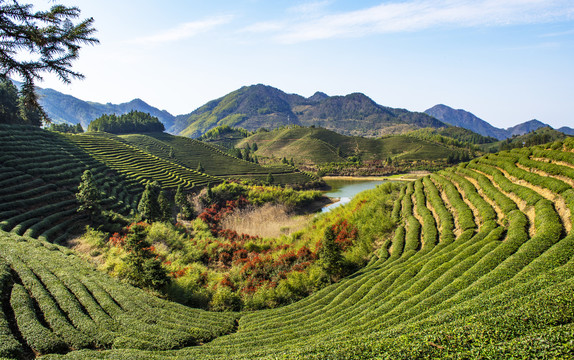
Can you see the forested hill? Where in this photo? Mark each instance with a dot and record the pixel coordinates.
(257, 106)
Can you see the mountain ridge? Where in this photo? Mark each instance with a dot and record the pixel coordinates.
(255, 106)
(64, 108)
(467, 120)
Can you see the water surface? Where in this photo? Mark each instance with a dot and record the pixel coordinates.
(345, 190)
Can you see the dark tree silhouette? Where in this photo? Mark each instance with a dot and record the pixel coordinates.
(33, 43)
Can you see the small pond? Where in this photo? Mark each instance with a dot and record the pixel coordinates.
(345, 190)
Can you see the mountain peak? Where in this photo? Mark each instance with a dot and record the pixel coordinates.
(465, 119)
(318, 96)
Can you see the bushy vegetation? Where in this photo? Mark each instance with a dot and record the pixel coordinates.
(225, 135)
(13, 106)
(453, 135)
(216, 268)
(130, 123)
(329, 153)
(59, 303)
(138, 164)
(67, 128)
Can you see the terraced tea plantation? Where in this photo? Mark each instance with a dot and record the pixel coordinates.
(141, 165)
(481, 265)
(190, 153)
(39, 176)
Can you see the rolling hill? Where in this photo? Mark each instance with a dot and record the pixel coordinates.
(190, 153)
(261, 106)
(314, 145)
(481, 265)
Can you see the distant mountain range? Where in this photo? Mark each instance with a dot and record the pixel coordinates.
(256, 106)
(64, 108)
(467, 120)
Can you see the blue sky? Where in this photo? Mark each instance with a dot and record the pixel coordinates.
(506, 61)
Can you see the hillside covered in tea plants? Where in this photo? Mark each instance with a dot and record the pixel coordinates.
(478, 264)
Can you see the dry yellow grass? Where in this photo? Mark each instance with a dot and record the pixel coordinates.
(267, 221)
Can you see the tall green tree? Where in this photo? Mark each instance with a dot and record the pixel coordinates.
(9, 107)
(148, 207)
(330, 256)
(89, 195)
(33, 43)
(164, 207)
(143, 269)
(185, 208)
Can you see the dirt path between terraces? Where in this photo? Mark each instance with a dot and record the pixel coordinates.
(497, 209)
(478, 221)
(563, 178)
(559, 204)
(457, 229)
(522, 205)
(555, 162)
(419, 219)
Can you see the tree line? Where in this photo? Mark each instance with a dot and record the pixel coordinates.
(132, 122)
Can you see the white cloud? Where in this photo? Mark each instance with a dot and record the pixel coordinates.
(266, 26)
(185, 30)
(416, 15)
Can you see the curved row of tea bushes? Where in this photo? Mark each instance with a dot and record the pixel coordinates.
(493, 291)
(139, 164)
(59, 303)
(39, 175)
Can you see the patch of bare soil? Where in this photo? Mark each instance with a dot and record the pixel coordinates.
(559, 204)
(497, 209)
(417, 216)
(476, 214)
(522, 206)
(86, 251)
(268, 221)
(457, 229)
(555, 162)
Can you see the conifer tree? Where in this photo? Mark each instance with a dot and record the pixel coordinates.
(9, 110)
(200, 167)
(88, 195)
(270, 179)
(164, 207)
(184, 206)
(32, 43)
(143, 269)
(148, 206)
(330, 255)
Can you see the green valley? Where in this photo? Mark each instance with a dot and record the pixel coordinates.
(270, 225)
(477, 263)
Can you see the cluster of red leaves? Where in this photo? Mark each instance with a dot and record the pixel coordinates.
(117, 239)
(213, 214)
(346, 234)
